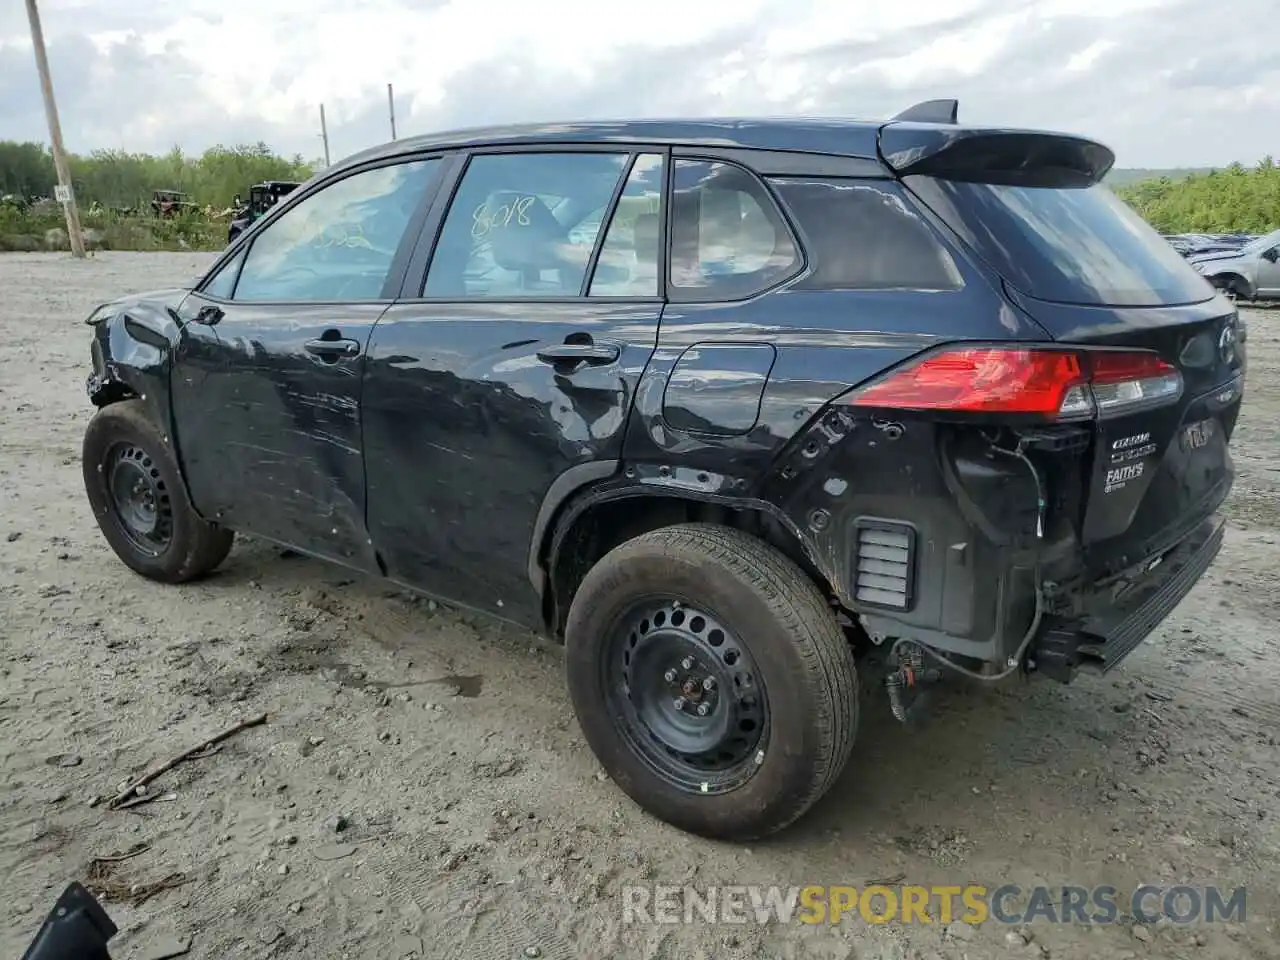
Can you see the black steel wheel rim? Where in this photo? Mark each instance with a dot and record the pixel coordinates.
(139, 498)
(687, 695)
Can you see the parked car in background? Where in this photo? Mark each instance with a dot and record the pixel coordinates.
(1250, 273)
(1192, 244)
(728, 406)
(262, 197)
(171, 203)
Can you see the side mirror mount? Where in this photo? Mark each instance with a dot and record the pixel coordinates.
(1272, 255)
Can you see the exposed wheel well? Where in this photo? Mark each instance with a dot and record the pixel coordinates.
(113, 391)
(604, 526)
(1232, 283)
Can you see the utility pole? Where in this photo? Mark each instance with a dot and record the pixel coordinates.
(391, 109)
(65, 194)
(324, 131)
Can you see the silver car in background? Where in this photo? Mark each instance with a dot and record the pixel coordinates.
(1250, 273)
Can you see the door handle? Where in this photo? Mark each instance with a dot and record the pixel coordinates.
(575, 354)
(333, 348)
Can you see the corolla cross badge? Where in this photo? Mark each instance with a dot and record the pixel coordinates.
(1227, 342)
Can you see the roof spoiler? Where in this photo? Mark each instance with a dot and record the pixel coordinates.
(931, 111)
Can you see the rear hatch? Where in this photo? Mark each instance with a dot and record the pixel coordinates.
(1092, 273)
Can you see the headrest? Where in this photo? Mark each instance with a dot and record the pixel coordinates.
(646, 237)
(529, 238)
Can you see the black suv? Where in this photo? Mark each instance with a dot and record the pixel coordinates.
(725, 404)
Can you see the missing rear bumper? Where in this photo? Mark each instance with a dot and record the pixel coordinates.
(1099, 642)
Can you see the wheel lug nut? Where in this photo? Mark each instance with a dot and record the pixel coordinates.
(670, 676)
(687, 663)
(709, 683)
(704, 709)
(679, 703)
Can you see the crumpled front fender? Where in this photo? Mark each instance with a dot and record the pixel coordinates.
(134, 341)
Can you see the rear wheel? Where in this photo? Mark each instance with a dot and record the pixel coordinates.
(133, 485)
(711, 680)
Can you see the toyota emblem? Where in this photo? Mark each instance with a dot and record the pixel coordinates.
(1227, 342)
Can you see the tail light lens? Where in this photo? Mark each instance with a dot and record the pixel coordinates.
(1051, 383)
(1122, 382)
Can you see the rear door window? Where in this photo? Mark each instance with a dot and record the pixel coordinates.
(728, 241)
(524, 225)
(1078, 244)
(632, 249)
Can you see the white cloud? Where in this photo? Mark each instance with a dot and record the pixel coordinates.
(1159, 80)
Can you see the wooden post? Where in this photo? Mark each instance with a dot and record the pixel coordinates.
(391, 109)
(55, 135)
(324, 135)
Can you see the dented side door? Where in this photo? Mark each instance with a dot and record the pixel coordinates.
(269, 428)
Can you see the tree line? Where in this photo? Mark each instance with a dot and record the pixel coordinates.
(116, 179)
(1236, 198)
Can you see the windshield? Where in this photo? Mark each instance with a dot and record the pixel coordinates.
(1262, 244)
(1065, 244)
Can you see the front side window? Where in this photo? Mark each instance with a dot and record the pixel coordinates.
(632, 249)
(338, 243)
(223, 283)
(727, 239)
(523, 225)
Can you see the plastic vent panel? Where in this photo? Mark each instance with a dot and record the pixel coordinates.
(884, 564)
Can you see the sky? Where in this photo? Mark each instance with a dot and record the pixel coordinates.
(1164, 83)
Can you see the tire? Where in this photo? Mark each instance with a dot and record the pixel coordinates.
(799, 701)
(127, 465)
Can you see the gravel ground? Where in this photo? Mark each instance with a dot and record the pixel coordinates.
(421, 786)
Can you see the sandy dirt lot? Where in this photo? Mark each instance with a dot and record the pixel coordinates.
(421, 787)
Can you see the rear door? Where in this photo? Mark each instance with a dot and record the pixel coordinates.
(510, 362)
(267, 375)
(1091, 272)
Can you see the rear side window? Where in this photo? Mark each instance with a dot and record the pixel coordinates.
(524, 225)
(1073, 244)
(728, 240)
(863, 235)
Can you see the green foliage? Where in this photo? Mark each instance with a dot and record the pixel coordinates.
(42, 227)
(116, 179)
(114, 188)
(1237, 199)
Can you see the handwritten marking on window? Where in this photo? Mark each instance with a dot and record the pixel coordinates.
(484, 220)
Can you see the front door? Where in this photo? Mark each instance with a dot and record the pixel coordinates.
(516, 359)
(267, 375)
(1269, 274)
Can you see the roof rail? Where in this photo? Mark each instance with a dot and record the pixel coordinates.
(931, 111)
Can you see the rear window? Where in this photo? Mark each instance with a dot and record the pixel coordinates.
(1065, 244)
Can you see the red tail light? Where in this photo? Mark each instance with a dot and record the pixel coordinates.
(1021, 380)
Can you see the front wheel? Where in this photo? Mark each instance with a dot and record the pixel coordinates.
(134, 487)
(711, 680)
